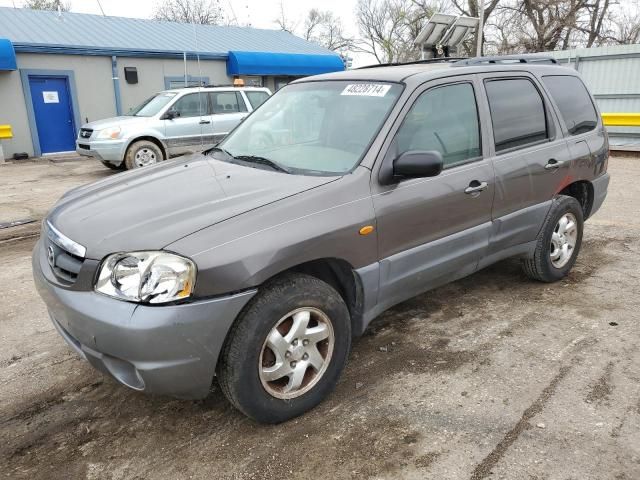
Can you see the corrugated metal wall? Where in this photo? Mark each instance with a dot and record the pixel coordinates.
(613, 75)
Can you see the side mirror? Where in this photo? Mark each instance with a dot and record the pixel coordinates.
(417, 164)
(170, 115)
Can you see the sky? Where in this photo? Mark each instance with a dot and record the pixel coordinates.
(257, 13)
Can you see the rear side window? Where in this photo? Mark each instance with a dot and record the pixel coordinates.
(573, 101)
(517, 113)
(227, 102)
(444, 119)
(256, 98)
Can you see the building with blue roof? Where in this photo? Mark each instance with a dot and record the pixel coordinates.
(99, 67)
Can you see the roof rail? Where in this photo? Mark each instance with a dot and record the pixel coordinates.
(506, 60)
(415, 62)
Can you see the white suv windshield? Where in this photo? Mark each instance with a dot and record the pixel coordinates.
(151, 106)
(314, 127)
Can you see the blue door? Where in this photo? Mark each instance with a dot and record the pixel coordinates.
(54, 113)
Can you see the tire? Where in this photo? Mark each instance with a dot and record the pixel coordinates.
(111, 166)
(247, 362)
(542, 266)
(142, 153)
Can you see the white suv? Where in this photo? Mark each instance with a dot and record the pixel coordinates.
(171, 123)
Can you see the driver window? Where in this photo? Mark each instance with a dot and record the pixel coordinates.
(191, 105)
(444, 119)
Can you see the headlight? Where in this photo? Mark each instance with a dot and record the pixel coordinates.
(146, 277)
(112, 133)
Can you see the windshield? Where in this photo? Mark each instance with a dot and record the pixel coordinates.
(151, 106)
(313, 128)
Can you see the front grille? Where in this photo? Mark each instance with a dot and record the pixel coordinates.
(86, 132)
(84, 146)
(65, 265)
(65, 257)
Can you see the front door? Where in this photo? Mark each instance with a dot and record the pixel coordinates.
(434, 230)
(184, 132)
(53, 113)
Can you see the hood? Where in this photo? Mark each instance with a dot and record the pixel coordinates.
(124, 121)
(151, 207)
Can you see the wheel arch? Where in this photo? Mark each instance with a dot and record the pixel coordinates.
(582, 191)
(341, 275)
(151, 139)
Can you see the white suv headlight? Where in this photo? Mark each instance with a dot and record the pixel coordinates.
(112, 133)
(146, 277)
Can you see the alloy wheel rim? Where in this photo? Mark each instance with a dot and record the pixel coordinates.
(144, 157)
(563, 240)
(296, 353)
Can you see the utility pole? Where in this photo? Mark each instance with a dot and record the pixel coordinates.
(480, 27)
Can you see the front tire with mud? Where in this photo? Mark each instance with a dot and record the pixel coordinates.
(285, 353)
(142, 153)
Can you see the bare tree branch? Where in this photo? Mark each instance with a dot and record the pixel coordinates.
(205, 12)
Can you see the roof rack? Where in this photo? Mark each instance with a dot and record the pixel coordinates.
(416, 62)
(506, 60)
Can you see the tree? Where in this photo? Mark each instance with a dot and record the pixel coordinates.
(54, 5)
(325, 29)
(386, 29)
(205, 12)
(471, 8)
(285, 23)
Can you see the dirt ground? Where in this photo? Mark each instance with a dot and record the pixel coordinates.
(493, 376)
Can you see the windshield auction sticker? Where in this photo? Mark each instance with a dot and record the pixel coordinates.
(366, 89)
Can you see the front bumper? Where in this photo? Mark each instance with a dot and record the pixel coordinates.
(166, 350)
(107, 150)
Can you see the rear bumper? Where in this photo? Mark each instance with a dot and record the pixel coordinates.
(167, 350)
(600, 186)
(107, 150)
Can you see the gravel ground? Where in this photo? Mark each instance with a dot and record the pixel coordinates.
(493, 376)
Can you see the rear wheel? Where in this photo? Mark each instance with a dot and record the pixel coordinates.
(558, 242)
(141, 154)
(287, 350)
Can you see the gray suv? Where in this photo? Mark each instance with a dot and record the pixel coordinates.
(261, 259)
(168, 124)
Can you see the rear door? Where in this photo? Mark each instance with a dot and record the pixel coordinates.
(433, 230)
(228, 108)
(530, 157)
(184, 132)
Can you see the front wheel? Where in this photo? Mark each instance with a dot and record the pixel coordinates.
(558, 242)
(285, 353)
(141, 154)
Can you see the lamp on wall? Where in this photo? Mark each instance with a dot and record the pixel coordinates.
(131, 75)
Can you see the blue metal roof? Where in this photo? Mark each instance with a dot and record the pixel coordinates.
(76, 33)
(267, 63)
(7, 55)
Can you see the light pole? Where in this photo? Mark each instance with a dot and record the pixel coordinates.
(480, 27)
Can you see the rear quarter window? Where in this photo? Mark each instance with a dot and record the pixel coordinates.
(573, 101)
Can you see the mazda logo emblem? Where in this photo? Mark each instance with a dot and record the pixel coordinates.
(51, 256)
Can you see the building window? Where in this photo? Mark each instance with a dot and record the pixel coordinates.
(252, 81)
(179, 82)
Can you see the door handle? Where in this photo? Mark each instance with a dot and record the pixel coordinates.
(476, 187)
(552, 164)
(205, 122)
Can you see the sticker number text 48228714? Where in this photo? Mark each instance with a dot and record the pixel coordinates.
(366, 89)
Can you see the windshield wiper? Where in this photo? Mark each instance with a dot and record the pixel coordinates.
(218, 149)
(262, 161)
